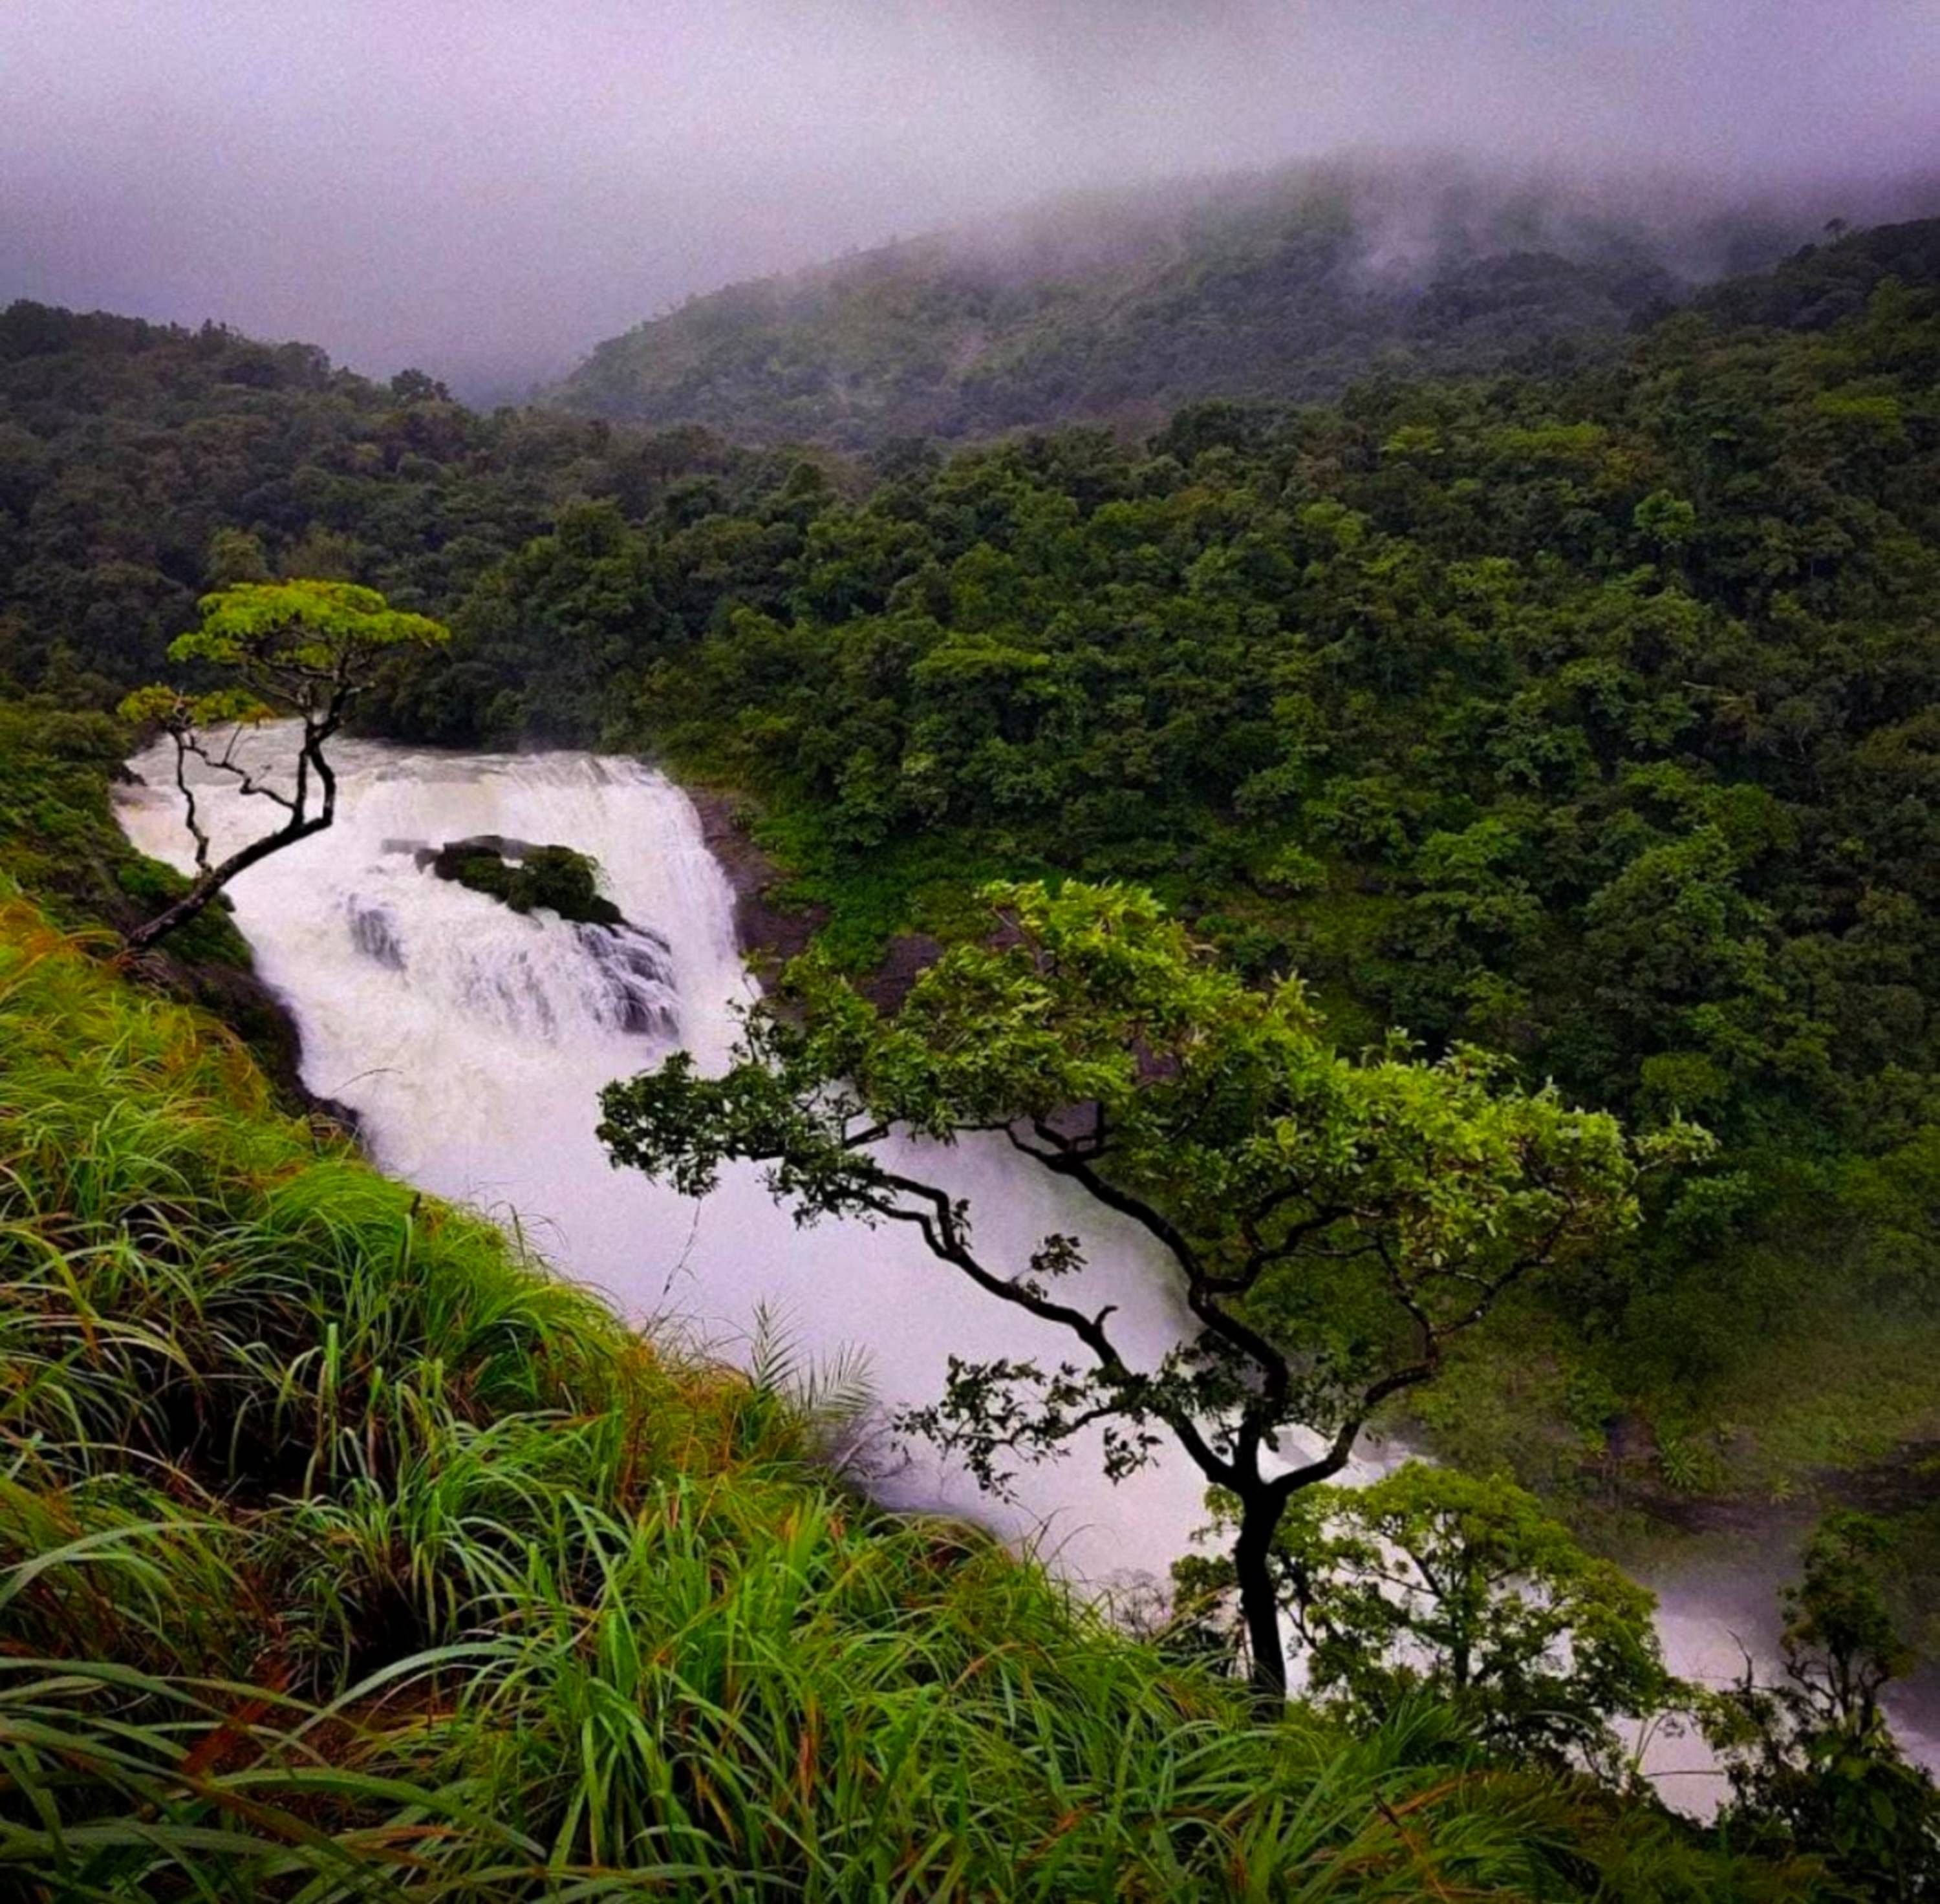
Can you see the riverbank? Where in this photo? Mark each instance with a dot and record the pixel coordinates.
(770, 931)
(774, 927)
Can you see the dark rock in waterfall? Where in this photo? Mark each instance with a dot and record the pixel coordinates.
(637, 970)
(373, 931)
(525, 877)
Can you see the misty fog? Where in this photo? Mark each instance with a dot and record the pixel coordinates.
(486, 187)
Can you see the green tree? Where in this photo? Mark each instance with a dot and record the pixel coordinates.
(236, 555)
(1430, 1579)
(1813, 1764)
(1332, 1222)
(301, 649)
(415, 386)
(1667, 520)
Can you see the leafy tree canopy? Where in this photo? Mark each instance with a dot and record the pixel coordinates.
(1333, 1221)
(1813, 1764)
(1460, 1586)
(308, 649)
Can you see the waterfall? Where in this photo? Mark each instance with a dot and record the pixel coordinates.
(471, 1042)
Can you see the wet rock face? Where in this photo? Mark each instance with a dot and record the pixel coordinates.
(373, 931)
(770, 931)
(773, 930)
(618, 975)
(636, 965)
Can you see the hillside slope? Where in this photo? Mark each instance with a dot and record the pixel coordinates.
(1286, 287)
(346, 1554)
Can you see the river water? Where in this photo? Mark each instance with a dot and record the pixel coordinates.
(471, 1043)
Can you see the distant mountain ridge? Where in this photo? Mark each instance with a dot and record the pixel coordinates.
(1283, 287)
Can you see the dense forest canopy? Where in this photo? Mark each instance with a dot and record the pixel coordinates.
(1284, 286)
(128, 448)
(1585, 714)
(1589, 717)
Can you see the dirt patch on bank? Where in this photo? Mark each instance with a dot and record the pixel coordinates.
(772, 931)
(769, 932)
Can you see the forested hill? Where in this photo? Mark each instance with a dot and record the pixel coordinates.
(1589, 715)
(1285, 287)
(140, 464)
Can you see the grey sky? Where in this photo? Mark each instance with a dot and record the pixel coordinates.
(486, 186)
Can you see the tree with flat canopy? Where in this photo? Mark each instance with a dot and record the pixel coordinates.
(1332, 1222)
(300, 650)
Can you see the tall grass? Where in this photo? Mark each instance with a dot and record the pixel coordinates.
(344, 1553)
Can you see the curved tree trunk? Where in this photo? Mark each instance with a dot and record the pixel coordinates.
(301, 824)
(1259, 1605)
(207, 885)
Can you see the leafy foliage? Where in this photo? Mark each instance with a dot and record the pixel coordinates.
(143, 465)
(1333, 1223)
(1584, 717)
(1813, 1764)
(1429, 1580)
(310, 649)
(346, 1554)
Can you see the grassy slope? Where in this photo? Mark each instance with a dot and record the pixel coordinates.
(346, 1554)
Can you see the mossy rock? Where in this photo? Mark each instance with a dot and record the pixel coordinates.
(527, 878)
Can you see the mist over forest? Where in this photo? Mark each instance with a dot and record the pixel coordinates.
(486, 191)
(974, 949)
(1279, 285)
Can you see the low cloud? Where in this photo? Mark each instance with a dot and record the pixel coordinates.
(486, 186)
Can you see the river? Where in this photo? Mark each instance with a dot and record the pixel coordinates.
(471, 1042)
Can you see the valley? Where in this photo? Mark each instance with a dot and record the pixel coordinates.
(1095, 1058)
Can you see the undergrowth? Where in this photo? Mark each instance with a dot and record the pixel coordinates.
(346, 1553)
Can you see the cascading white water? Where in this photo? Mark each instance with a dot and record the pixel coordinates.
(472, 1042)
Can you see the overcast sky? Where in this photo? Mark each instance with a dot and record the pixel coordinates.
(486, 187)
